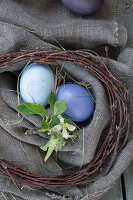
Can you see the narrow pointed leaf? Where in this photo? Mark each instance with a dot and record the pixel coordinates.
(44, 125)
(52, 100)
(36, 108)
(23, 109)
(50, 150)
(44, 148)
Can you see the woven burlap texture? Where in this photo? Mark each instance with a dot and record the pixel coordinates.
(26, 24)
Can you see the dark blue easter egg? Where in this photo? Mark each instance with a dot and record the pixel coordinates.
(83, 7)
(80, 104)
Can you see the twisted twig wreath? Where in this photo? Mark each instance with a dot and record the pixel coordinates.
(117, 134)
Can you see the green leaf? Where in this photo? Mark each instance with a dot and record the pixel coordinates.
(73, 132)
(54, 121)
(46, 135)
(58, 147)
(23, 109)
(41, 130)
(44, 148)
(52, 100)
(36, 108)
(44, 125)
(51, 144)
(50, 150)
(59, 135)
(68, 121)
(51, 141)
(60, 107)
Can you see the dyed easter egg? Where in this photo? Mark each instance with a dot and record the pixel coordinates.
(80, 104)
(83, 7)
(36, 83)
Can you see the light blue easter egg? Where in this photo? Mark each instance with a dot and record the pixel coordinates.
(80, 104)
(36, 83)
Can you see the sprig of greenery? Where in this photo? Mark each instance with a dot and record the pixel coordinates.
(57, 128)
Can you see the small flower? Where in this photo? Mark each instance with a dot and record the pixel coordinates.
(57, 128)
(61, 119)
(63, 127)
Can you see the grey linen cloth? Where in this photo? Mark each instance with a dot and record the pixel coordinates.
(26, 24)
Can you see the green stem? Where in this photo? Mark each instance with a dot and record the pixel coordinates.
(47, 119)
(57, 136)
